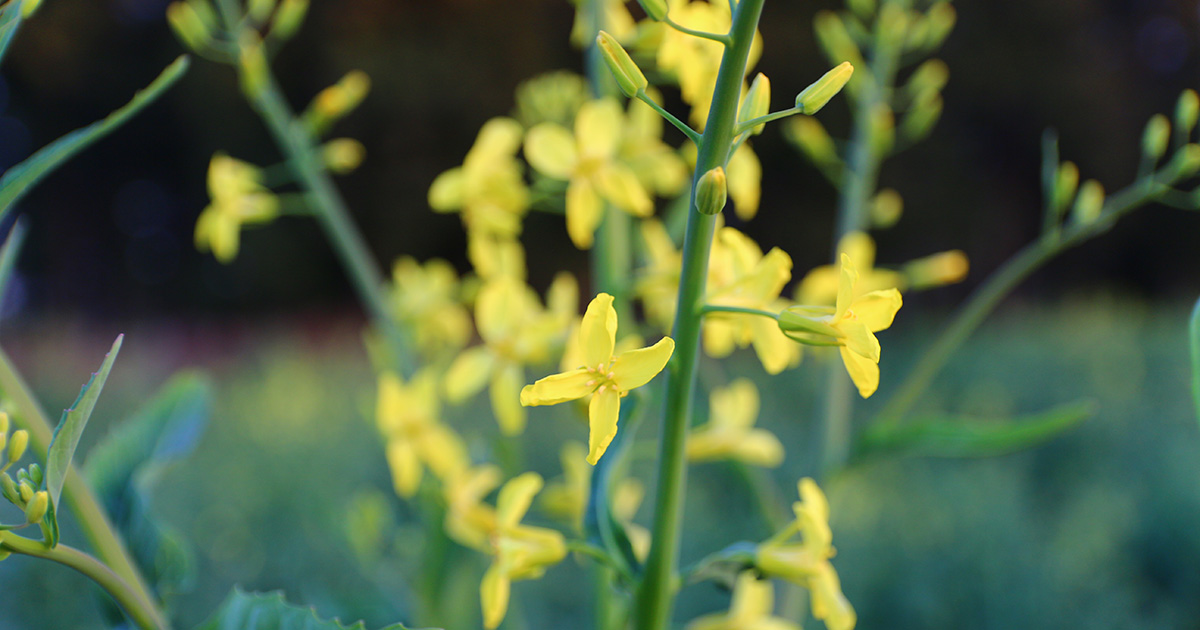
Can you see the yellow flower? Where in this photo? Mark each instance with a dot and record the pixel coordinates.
(616, 19)
(488, 189)
(820, 286)
(807, 563)
(238, 198)
(469, 520)
(606, 378)
(407, 416)
(567, 499)
(588, 161)
(522, 552)
(425, 298)
(730, 433)
(658, 166)
(753, 600)
(516, 331)
(658, 282)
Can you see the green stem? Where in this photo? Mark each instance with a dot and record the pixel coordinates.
(1002, 282)
(93, 521)
(656, 592)
(740, 310)
(762, 120)
(687, 130)
(143, 613)
(303, 157)
(724, 40)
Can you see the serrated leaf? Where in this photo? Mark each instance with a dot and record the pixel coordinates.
(70, 427)
(19, 179)
(269, 611)
(950, 436)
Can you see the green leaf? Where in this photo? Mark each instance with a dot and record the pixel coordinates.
(70, 427)
(1194, 342)
(19, 179)
(969, 437)
(257, 611)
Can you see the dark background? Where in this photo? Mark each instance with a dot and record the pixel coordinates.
(112, 232)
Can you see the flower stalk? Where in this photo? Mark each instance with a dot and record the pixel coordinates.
(656, 592)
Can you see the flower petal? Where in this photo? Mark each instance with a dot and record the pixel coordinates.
(584, 212)
(863, 371)
(550, 149)
(859, 339)
(598, 332)
(467, 374)
(619, 185)
(846, 282)
(515, 498)
(636, 367)
(406, 468)
(446, 192)
(598, 128)
(506, 403)
(494, 592)
(602, 419)
(735, 406)
(877, 309)
(752, 598)
(760, 447)
(558, 388)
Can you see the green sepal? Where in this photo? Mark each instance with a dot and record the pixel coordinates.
(951, 436)
(269, 611)
(66, 437)
(19, 179)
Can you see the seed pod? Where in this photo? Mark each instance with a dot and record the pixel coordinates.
(36, 509)
(815, 96)
(712, 191)
(16, 445)
(629, 77)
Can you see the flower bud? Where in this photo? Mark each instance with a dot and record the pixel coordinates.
(882, 126)
(342, 155)
(288, 18)
(1186, 161)
(886, 208)
(1089, 203)
(3, 424)
(8, 488)
(17, 445)
(25, 491)
(655, 9)
(252, 65)
(835, 40)
(862, 8)
(260, 10)
(937, 270)
(757, 102)
(810, 135)
(815, 96)
(629, 77)
(940, 20)
(929, 76)
(29, 6)
(36, 508)
(35, 474)
(1187, 110)
(892, 27)
(188, 25)
(1156, 137)
(342, 97)
(922, 116)
(711, 191)
(1065, 184)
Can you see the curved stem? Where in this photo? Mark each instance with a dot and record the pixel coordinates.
(92, 519)
(762, 120)
(142, 612)
(739, 310)
(724, 40)
(687, 130)
(656, 592)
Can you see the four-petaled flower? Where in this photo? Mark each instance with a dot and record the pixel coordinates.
(238, 198)
(730, 434)
(605, 377)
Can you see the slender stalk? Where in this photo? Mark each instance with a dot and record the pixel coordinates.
(687, 130)
(92, 519)
(716, 37)
(656, 592)
(1002, 282)
(737, 310)
(141, 611)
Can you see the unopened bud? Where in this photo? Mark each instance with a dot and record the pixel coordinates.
(655, 9)
(29, 6)
(815, 96)
(343, 155)
(940, 20)
(629, 77)
(1187, 110)
(862, 8)
(25, 491)
(3, 423)
(188, 26)
(260, 10)
(8, 488)
(342, 97)
(891, 29)
(712, 191)
(1186, 161)
(36, 509)
(882, 127)
(886, 208)
(937, 270)
(252, 65)
(1065, 184)
(757, 102)
(17, 445)
(1089, 203)
(834, 39)
(35, 474)
(922, 116)
(1156, 137)
(929, 76)
(288, 18)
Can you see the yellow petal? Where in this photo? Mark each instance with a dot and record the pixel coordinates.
(444, 452)
(506, 400)
(877, 309)
(446, 192)
(828, 602)
(550, 149)
(602, 418)
(735, 406)
(598, 332)
(860, 248)
(752, 598)
(467, 374)
(813, 499)
(719, 337)
(774, 349)
(846, 282)
(760, 447)
(745, 182)
(598, 128)
(863, 371)
(584, 211)
(515, 497)
(499, 137)
(635, 368)
(493, 594)
(620, 186)
(558, 388)
(859, 339)
(406, 468)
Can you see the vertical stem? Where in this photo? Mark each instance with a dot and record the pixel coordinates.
(656, 592)
(92, 519)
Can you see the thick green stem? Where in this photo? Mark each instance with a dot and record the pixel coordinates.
(92, 519)
(1002, 281)
(142, 612)
(656, 592)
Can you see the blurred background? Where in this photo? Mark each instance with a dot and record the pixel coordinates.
(1098, 529)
